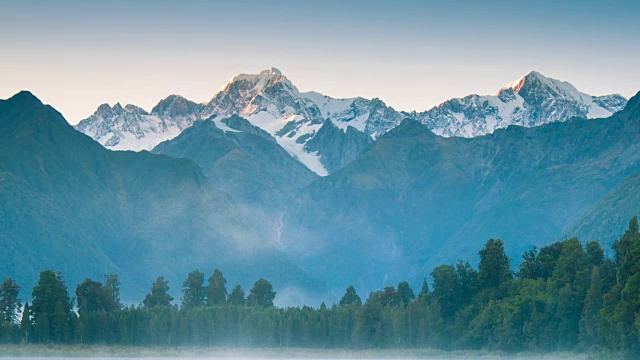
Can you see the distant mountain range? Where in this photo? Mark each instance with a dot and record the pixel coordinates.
(270, 101)
(231, 189)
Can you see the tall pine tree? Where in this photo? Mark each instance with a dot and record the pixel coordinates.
(9, 301)
(216, 291)
(193, 290)
(51, 309)
(158, 296)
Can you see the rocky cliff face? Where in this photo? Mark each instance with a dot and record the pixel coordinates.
(338, 148)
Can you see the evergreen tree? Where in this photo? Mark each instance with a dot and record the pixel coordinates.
(369, 323)
(624, 251)
(567, 289)
(445, 290)
(9, 301)
(627, 290)
(531, 266)
(193, 290)
(573, 265)
(216, 291)
(591, 310)
(595, 252)
(467, 285)
(608, 275)
(405, 293)
(158, 295)
(424, 292)
(627, 313)
(548, 257)
(261, 294)
(112, 284)
(389, 297)
(51, 308)
(237, 296)
(350, 297)
(25, 323)
(493, 270)
(92, 296)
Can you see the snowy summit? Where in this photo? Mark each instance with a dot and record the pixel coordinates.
(270, 101)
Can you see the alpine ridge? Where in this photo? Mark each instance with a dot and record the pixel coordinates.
(272, 102)
(415, 199)
(532, 100)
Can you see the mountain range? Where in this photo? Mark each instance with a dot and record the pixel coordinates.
(270, 101)
(415, 200)
(67, 203)
(230, 190)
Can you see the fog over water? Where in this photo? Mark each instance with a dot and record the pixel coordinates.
(452, 356)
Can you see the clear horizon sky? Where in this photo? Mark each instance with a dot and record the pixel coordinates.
(76, 55)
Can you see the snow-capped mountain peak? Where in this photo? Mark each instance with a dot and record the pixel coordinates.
(534, 80)
(175, 105)
(134, 109)
(612, 103)
(532, 100)
(246, 94)
(256, 83)
(531, 77)
(270, 101)
(132, 128)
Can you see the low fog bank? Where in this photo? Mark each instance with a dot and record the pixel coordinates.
(32, 352)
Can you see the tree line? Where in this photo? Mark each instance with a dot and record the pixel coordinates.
(566, 296)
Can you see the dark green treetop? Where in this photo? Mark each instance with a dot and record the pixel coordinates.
(92, 296)
(405, 293)
(493, 270)
(52, 308)
(350, 297)
(9, 301)
(112, 284)
(193, 290)
(261, 294)
(216, 292)
(158, 295)
(237, 296)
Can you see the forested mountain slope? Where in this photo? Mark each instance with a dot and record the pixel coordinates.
(69, 204)
(416, 199)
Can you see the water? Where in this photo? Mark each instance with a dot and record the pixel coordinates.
(451, 356)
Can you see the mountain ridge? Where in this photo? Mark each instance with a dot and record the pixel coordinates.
(407, 201)
(270, 101)
(72, 205)
(416, 199)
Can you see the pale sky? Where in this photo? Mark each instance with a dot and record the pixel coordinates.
(76, 55)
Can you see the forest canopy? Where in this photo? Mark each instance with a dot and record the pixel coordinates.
(566, 296)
